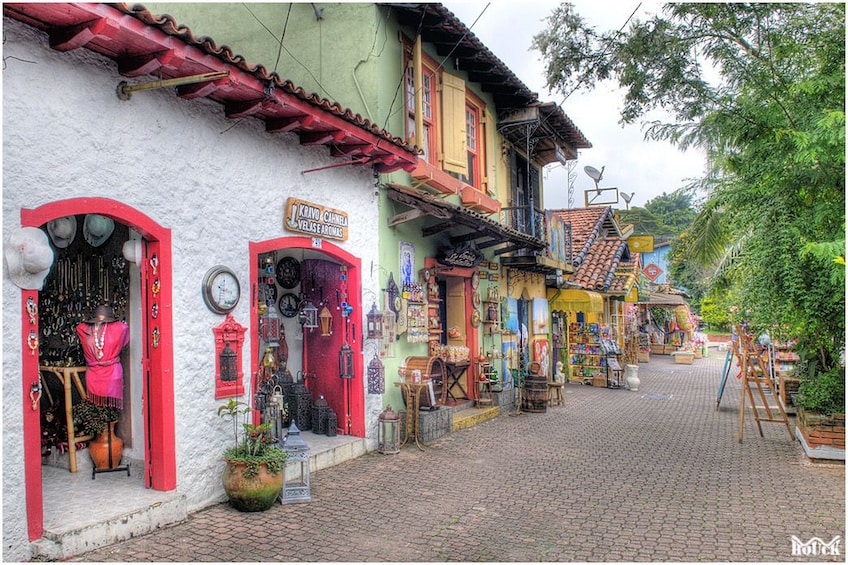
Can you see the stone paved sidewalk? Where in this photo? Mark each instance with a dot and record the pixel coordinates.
(613, 475)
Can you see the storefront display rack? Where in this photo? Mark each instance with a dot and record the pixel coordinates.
(585, 357)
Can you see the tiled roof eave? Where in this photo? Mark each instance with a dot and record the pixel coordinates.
(145, 45)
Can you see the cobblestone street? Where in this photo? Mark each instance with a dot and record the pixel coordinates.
(613, 475)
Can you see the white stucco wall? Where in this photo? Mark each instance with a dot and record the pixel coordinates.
(216, 183)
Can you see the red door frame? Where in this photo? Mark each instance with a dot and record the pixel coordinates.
(157, 362)
(356, 389)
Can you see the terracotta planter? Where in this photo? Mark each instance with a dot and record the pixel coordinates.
(106, 449)
(251, 494)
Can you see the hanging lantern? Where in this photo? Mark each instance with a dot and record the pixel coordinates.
(228, 361)
(296, 473)
(388, 431)
(346, 361)
(375, 323)
(326, 319)
(309, 316)
(376, 376)
(269, 326)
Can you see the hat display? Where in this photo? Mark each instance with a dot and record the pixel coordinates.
(96, 229)
(103, 313)
(28, 257)
(62, 231)
(131, 251)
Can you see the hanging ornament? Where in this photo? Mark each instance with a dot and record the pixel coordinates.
(376, 376)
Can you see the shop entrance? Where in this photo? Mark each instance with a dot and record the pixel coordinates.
(89, 269)
(314, 288)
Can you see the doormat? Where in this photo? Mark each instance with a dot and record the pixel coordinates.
(656, 396)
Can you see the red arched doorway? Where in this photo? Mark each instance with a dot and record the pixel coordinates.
(158, 354)
(346, 397)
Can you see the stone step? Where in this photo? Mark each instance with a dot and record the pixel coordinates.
(469, 417)
(60, 544)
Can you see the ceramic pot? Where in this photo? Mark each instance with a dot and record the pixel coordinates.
(631, 377)
(251, 494)
(106, 449)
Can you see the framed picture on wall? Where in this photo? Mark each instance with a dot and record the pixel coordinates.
(407, 262)
(541, 324)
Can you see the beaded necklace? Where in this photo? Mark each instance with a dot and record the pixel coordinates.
(99, 341)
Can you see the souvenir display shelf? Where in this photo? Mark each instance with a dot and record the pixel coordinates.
(585, 357)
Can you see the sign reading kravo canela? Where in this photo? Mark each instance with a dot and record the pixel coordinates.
(315, 220)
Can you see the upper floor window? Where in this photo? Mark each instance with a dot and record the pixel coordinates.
(472, 144)
(428, 97)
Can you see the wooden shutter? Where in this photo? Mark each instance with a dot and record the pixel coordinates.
(454, 154)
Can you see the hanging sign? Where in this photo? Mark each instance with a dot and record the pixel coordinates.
(652, 271)
(315, 220)
(641, 243)
(464, 255)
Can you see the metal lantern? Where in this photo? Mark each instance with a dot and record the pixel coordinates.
(388, 431)
(228, 363)
(346, 361)
(326, 319)
(296, 472)
(309, 316)
(269, 326)
(375, 323)
(320, 409)
(376, 376)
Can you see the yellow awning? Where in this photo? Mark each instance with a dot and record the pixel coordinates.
(574, 300)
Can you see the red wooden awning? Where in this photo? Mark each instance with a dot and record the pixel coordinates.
(144, 45)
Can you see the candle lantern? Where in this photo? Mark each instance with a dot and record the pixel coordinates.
(228, 363)
(326, 319)
(296, 472)
(309, 316)
(376, 376)
(346, 361)
(269, 326)
(375, 323)
(388, 431)
(320, 408)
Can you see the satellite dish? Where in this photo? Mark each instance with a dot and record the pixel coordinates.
(594, 174)
(627, 198)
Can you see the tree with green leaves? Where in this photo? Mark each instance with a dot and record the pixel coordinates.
(760, 88)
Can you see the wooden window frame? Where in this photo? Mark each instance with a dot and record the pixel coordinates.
(431, 123)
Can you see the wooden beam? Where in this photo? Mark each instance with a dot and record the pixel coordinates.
(236, 110)
(74, 37)
(407, 216)
(282, 125)
(437, 228)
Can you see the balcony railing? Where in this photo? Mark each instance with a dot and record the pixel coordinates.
(532, 222)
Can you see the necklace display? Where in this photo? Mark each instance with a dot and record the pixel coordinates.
(98, 341)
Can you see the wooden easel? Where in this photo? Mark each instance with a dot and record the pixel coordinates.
(755, 370)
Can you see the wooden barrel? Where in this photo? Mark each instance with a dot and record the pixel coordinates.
(535, 394)
(432, 368)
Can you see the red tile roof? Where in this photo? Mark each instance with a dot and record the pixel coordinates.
(602, 258)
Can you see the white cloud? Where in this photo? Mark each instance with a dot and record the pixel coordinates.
(631, 164)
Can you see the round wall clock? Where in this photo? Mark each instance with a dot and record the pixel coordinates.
(288, 272)
(289, 305)
(221, 289)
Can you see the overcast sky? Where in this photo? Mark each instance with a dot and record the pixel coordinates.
(631, 164)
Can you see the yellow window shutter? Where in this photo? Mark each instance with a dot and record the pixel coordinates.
(455, 156)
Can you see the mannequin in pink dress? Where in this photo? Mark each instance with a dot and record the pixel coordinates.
(103, 337)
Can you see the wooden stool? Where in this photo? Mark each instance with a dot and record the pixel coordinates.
(555, 397)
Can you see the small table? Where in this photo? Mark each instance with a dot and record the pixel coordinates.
(412, 394)
(66, 376)
(455, 371)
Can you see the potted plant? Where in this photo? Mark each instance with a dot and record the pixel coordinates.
(98, 422)
(821, 412)
(253, 476)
